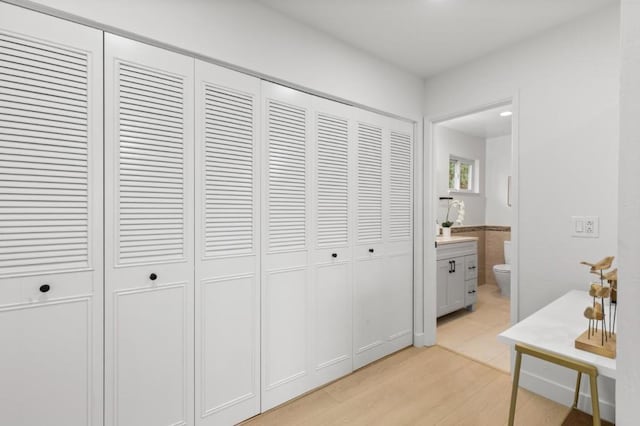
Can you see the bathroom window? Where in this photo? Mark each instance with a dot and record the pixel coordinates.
(462, 173)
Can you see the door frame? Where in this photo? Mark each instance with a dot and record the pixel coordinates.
(430, 209)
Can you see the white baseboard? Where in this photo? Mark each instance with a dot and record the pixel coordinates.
(418, 340)
(564, 394)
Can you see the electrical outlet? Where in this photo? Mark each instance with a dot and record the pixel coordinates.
(591, 226)
(585, 226)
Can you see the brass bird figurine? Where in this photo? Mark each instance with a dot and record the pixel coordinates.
(592, 313)
(600, 265)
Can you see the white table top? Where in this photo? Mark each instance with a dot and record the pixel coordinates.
(555, 327)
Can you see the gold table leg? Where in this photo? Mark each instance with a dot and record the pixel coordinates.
(514, 389)
(595, 403)
(580, 367)
(577, 395)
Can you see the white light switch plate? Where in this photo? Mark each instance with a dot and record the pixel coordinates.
(585, 226)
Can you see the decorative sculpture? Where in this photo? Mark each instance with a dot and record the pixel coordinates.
(600, 337)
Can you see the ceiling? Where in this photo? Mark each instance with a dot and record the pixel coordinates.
(484, 124)
(429, 36)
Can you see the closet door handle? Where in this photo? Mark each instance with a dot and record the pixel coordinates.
(371, 250)
(44, 288)
(334, 255)
(450, 266)
(153, 277)
(454, 265)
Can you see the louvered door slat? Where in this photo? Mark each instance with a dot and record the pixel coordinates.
(332, 181)
(286, 176)
(228, 164)
(369, 174)
(151, 162)
(401, 205)
(44, 204)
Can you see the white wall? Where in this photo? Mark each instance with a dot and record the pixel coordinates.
(497, 172)
(628, 383)
(452, 142)
(255, 37)
(567, 82)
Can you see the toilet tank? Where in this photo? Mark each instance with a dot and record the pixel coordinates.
(507, 252)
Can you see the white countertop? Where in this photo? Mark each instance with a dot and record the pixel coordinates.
(555, 327)
(454, 239)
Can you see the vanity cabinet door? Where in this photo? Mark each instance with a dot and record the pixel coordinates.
(450, 285)
(442, 282)
(456, 284)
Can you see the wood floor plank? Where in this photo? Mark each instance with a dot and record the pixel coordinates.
(416, 386)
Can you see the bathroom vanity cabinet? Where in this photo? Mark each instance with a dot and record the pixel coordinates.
(457, 277)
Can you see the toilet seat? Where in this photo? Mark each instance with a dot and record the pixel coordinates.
(502, 268)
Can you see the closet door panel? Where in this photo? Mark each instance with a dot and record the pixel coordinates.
(383, 304)
(149, 354)
(228, 375)
(286, 277)
(332, 254)
(333, 330)
(50, 220)
(149, 227)
(399, 299)
(286, 359)
(369, 303)
(369, 308)
(399, 234)
(401, 182)
(370, 181)
(46, 363)
(228, 244)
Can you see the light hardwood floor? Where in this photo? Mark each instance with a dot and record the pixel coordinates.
(474, 334)
(417, 386)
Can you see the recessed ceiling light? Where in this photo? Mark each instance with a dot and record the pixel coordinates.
(505, 113)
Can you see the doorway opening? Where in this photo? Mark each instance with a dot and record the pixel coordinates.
(473, 169)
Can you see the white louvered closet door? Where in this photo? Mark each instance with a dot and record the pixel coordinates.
(369, 305)
(286, 291)
(149, 235)
(50, 221)
(332, 313)
(398, 277)
(383, 294)
(227, 309)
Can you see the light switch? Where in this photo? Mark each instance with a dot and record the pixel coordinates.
(585, 226)
(579, 226)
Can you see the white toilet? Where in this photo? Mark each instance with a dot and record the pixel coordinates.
(503, 272)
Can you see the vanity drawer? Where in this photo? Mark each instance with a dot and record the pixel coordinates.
(471, 292)
(470, 267)
(451, 250)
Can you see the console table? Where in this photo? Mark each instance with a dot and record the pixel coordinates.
(549, 334)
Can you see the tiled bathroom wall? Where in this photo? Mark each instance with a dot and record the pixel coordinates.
(490, 247)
